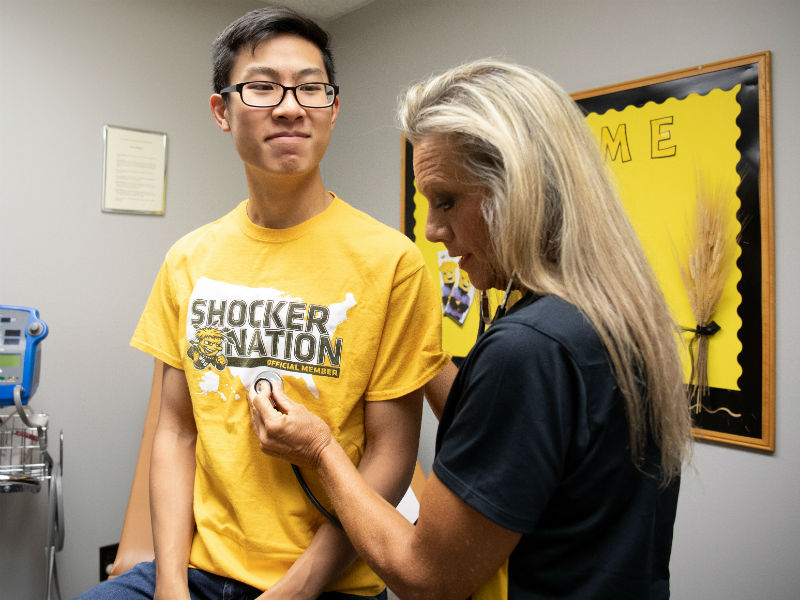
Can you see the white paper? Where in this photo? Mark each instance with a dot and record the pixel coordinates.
(409, 506)
(135, 171)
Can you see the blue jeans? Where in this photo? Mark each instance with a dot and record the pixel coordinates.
(139, 584)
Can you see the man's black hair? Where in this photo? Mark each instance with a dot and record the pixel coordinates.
(257, 26)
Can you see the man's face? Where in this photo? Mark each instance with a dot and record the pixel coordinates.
(287, 139)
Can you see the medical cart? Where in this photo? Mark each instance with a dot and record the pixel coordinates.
(25, 461)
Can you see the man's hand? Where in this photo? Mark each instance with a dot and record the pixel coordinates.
(286, 429)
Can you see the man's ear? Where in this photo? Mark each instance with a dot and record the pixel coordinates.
(335, 112)
(219, 109)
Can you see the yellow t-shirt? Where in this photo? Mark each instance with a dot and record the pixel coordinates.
(343, 308)
(496, 588)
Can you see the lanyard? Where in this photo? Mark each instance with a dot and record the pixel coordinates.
(501, 310)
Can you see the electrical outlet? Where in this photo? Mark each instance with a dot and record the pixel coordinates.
(107, 556)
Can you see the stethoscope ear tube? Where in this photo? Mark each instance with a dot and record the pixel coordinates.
(275, 381)
(334, 521)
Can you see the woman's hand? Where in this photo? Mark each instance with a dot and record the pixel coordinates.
(286, 429)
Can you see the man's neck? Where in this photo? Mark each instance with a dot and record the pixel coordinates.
(284, 201)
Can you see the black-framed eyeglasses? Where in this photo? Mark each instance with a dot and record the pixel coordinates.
(264, 94)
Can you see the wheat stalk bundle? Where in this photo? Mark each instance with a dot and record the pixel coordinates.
(711, 256)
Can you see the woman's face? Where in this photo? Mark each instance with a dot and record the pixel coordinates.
(454, 210)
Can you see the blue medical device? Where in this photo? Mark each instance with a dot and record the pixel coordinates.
(24, 460)
(21, 330)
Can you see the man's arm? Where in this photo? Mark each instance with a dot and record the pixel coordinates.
(452, 550)
(172, 467)
(437, 389)
(392, 436)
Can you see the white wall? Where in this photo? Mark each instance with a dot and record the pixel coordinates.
(68, 68)
(738, 529)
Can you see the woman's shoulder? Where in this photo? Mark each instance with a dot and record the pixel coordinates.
(556, 320)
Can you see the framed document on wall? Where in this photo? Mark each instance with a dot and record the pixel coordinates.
(135, 171)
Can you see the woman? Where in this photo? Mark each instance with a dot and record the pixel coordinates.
(564, 433)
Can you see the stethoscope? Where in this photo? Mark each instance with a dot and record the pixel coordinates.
(485, 320)
(275, 381)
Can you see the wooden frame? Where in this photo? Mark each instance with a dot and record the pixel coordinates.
(743, 416)
(744, 413)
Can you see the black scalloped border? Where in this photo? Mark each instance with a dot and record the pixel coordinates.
(747, 400)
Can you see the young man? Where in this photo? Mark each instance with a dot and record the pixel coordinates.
(295, 281)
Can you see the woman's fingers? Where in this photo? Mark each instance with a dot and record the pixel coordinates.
(282, 402)
(286, 429)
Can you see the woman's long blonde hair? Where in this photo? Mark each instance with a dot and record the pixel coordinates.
(557, 223)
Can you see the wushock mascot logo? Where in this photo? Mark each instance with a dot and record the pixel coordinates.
(207, 349)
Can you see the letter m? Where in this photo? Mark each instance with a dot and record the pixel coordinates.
(612, 145)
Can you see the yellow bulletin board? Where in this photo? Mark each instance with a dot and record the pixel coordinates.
(666, 139)
(669, 140)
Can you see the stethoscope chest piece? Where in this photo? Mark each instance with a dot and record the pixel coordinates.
(273, 378)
